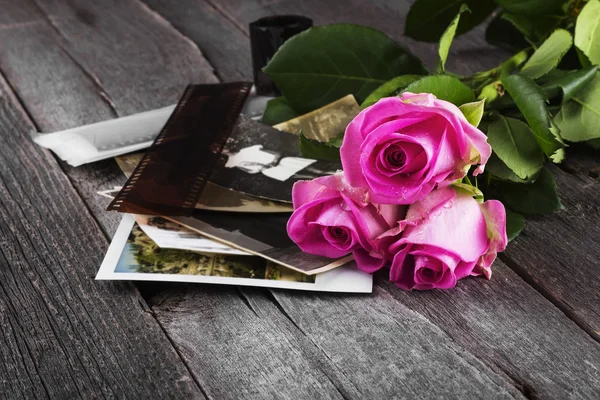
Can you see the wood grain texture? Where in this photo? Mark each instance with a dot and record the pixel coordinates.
(360, 346)
(224, 42)
(72, 63)
(514, 330)
(63, 334)
(82, 64)
(76, 79)
(530, 372)
(559, 253)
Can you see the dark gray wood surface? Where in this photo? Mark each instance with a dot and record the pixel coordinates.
(532, 331)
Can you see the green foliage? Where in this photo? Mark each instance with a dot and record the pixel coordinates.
(427, 19)
(447, 37)
(534, 28)
(473, 111)
(278, 110)
(444, 87)
(567, 84)
(587, 31)
(531, 101)
(318, 150)
(388, 89)
(514, 143)
(514, 224)
(325, 63)
(535, 198)
(548, 55)
(499, 170)
(579, 119)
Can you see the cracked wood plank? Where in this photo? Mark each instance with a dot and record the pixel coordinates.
(63, 334)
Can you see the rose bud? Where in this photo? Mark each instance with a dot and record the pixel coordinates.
(445, 237)
(332, 219)
(401, 148)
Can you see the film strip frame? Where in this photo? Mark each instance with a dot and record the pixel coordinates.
(173, 172)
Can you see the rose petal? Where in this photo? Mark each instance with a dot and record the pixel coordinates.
(367, 262)
(449, 225)
(495, 218)
(307, 235)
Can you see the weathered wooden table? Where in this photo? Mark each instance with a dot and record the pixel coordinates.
(532, 331)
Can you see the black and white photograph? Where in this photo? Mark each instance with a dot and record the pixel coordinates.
(263, 162)
(266, 237)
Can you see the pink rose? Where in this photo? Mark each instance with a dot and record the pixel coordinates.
(445, 237)
(331, 219)
(401, 148)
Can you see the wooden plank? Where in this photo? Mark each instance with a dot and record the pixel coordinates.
(63, 334)
(513, 329)
(368, 347)
(235, 353)
(91, 66)
(559, 254)
(223, 41)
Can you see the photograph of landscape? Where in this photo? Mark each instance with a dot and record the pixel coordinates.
(142, 255)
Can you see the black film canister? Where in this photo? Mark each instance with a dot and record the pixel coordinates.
(267, 34)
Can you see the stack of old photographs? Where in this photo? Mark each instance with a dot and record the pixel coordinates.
(236, 233)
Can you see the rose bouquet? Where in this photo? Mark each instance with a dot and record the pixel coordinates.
(400, 199)
(529, 107)
(499, 130)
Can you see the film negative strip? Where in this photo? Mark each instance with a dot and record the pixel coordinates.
(173, 173)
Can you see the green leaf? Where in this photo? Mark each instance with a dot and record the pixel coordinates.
(514, 224)
(448, 37)
(534, 28)
(579, 119)
(532, 7)
(514, 143)
(443, 87)
(278, 110)
(535, 198)
(531, 101)
(318, 150)
(325, 63)
(427, 19)
(473, 111)
(388, 89)
(587, 31)
(548, 55)
(336, 141)
(470, 190)
(499, 170)
(568, 84)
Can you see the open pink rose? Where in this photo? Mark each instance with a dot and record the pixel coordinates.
(331, 219)
(401, 148)
(445, 237)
